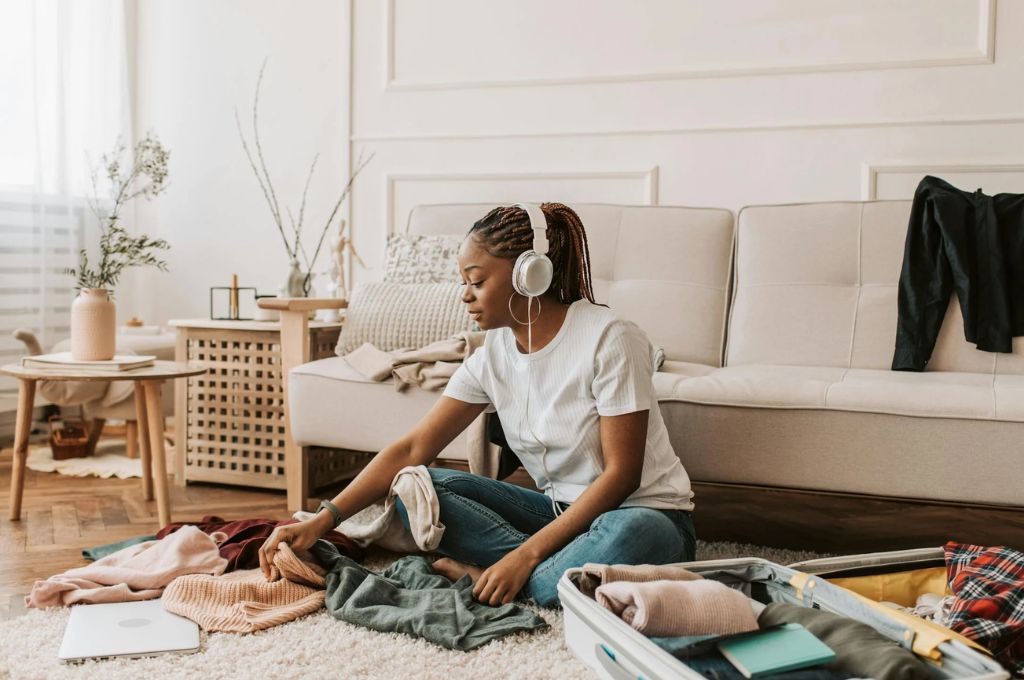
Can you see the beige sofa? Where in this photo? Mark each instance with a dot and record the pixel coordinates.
(778, 328)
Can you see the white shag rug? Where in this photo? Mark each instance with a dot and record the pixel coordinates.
(317, 646)
(108, 461)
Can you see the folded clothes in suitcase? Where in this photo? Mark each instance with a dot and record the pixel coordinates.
(618, 652)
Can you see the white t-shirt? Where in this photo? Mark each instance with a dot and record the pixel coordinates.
(596, 365)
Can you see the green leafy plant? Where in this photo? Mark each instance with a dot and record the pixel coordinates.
(118, 250)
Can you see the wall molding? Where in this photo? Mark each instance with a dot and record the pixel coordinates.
(649, 177)
(985, 55)
(871, 171)
(695, 129)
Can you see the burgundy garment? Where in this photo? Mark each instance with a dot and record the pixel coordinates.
(245, 536)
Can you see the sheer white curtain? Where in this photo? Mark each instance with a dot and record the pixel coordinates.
(64, 99)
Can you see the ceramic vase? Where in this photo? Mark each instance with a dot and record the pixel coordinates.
(295, 288)
(93, 325)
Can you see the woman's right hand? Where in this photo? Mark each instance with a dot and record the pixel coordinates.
(298, 536)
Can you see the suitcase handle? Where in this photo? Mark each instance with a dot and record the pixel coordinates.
(606, 657)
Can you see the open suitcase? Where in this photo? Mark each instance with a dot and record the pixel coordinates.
(618, 652)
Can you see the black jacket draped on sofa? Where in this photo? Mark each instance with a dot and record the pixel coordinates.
(968, 242)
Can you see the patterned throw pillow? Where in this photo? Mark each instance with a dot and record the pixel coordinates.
(421, 259)
(394, 316)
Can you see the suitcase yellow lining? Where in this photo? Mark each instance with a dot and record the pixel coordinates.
(927, 634)
(901, 587)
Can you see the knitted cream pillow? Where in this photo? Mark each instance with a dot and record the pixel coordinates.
(393, 316)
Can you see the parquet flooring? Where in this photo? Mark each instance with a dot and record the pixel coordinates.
(61, 515)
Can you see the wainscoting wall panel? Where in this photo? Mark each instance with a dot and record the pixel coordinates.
(665, 101)
(681, 103)
(898, 180)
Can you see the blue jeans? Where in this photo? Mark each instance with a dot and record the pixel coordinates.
(486, 519)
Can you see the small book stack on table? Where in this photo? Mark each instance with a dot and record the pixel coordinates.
(63, 360)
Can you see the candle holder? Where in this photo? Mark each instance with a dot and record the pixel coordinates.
(222, 309)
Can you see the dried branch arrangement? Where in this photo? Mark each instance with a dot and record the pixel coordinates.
(293, 244)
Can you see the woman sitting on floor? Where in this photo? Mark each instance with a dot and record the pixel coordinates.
(572, 387)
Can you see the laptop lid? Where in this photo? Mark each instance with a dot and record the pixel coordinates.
(142, 628)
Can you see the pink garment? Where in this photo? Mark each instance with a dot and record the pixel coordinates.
(138, 572)
(674, 608)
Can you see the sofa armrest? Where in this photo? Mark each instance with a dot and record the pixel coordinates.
(294, 352)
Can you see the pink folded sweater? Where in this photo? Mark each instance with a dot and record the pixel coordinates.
(674, 608)
(138, 572)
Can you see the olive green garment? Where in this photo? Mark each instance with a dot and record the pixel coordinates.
(860, 649)
(408, 597)
(99, 551)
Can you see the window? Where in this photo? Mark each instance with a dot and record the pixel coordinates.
(63, 98)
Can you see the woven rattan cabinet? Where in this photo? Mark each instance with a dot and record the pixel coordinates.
(232, 418)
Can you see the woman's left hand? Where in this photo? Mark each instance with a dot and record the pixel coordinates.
(501, 582)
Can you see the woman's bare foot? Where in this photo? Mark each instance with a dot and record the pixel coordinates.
(454, 570)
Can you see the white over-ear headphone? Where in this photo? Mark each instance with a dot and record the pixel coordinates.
(531, 277)
(532, 273)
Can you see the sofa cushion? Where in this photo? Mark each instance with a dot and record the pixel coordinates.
(421, 258)
(333, 405)
(847, 452)
(393, 316)
(674, 372)
(930, 394)
(816, 285)
(667, 269)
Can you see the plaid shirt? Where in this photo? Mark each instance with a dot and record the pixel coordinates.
(988, 584)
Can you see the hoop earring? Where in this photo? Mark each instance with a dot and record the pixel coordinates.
(529, 320)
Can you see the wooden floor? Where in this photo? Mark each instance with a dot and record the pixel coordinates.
(60, 515)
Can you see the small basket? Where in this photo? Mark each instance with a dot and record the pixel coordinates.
(69, 437)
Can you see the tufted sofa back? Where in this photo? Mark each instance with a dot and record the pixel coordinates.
(816, 285)
(665, 268)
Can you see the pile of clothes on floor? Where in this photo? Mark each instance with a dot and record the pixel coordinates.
(686, 615)
(209, 572)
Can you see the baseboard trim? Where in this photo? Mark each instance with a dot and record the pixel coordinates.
(834, 522)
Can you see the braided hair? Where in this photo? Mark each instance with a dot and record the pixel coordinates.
(506, 232)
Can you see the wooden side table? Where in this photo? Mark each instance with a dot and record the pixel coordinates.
(148, 382)
(232, 420)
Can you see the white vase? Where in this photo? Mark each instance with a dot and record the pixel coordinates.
(327, 288)
(93, 325)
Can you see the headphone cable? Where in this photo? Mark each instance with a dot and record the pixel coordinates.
(526, 411)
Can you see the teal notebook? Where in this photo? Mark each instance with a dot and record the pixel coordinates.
(785, 648)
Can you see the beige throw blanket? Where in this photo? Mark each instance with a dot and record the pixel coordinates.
(431, 368)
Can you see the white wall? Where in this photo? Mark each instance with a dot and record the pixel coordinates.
(197, 62)
(689, 103)
(692, 103)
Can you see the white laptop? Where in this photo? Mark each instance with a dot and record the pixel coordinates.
(126, 629)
